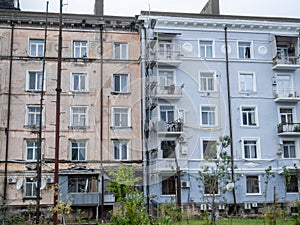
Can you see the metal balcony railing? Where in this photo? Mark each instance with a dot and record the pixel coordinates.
(175, 126)
(170, 90)
(288, 127)
(288, 60)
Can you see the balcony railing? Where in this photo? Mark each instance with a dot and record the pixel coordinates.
(171, 91)
(170, 127)
(286, 62)
(90, 198)
(287, 95)
(289, 128)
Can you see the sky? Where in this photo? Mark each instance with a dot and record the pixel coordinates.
(275, 8)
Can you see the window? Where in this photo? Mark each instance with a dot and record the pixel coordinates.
(209, 149)
(79, 49)
(292, 186)
(207, 81)
(289, 149)
(206, 49)
(120, 50)
(208, 116)
(120, 82)
(121, 117)
(252, 186)
(78, 150)
(31, 150)
(79, 116)
(286, 115)
(36, 47)
(81, 184)
(168, 185)
(166, 78)
(33, 116)
(250, 148)
(34, 81)
(121, 149)
(211, 185)
(249, 116)
(247, 82)
(244, 50)
(168, 149)
(167, 113)
(284, 85)
(30, 187)
(166, 50)
(79, 82)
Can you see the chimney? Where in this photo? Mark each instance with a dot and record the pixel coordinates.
(98, 8)
(212, 7)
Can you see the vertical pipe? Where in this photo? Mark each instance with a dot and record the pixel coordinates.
(230, 121)
(8, 119)
(101, 122)
(57, 114)
(39, 149)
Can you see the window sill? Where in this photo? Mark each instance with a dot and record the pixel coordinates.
(120, 93)
(78, 127)
(34, 91)
(78, 161)
(34, 127)
(29, 198)
(120, 128)
(253, 194)
(167, 195)
(79, 92)
(249, 126)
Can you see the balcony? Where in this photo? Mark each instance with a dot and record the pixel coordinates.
(287, 95)
(286, 63)
(167, 165)
(292, 129)
(172, 58)
(169, 92)
(85, 199)
(170, 128)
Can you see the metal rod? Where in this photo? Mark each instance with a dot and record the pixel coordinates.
(8, 119)
(57, 115)
(39, 147)
(230, 121)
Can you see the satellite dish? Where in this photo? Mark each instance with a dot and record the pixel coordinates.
(19, 184)
(43, 184)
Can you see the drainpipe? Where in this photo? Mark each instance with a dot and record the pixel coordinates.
(230, 121)
(57, 113)
(8, 118)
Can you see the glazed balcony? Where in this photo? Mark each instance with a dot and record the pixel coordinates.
(290, 129)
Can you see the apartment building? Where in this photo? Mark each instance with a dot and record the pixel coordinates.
(189, 104)
(100, 116)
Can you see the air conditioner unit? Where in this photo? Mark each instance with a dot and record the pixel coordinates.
(254, 204)
(247, 206)
(185, 184)
(11, 180)
(203, 207)
(50, 180)
(222, 207)
(182, 139)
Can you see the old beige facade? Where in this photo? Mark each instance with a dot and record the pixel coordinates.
(81, 98)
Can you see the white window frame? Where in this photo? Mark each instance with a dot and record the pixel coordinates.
(251, 49)
(128, 117)
(216, 194)
(127, 88)
(259, 185)
(202, 147)
(86, 115)
(79, 148)
(81, 75)
(163, 79)
(37, 73)
(255, 114)
(34, 149)
(214, 80)
(33, 187)
(296, 142)
(205, 48)
(181, 115)
(174, 112)
(215, 116)
(291, 89)
(253, 81)
(80, 49)
(294, 113)
(119, 143)
(122, 55)
(35, 125)
(258, 148)
(38, 43)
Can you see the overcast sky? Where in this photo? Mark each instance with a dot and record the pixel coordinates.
(276, 8)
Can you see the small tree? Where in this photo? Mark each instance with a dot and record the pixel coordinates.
(132, 210)
(268, 175)
(215, 176)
